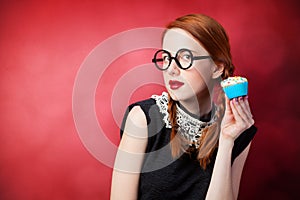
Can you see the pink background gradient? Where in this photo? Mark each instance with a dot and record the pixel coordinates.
(43, 44)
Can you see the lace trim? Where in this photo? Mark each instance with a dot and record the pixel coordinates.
(188, 127)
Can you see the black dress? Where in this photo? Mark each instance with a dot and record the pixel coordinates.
(163, 177)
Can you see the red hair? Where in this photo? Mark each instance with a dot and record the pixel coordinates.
(212, 36)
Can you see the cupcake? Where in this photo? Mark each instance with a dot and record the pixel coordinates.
(235, 86)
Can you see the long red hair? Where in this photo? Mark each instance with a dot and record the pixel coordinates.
(212, 36)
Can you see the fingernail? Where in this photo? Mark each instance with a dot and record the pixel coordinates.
(241, 99)
(246, 97)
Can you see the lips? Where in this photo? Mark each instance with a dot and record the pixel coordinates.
(175, 84)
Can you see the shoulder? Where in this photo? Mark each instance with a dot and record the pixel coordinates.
(137, 115)
(153, 100)
(136, 123)
(153, 107)
(144, 104)
(137, 112)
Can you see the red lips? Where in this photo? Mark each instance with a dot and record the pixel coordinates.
(175, 84)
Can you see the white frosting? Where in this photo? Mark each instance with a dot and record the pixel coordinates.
(233, 80)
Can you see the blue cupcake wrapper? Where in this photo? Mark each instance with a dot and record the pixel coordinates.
(237, 90)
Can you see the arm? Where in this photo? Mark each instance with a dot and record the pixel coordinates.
(226, 178)
(129, 157)
(237, 169)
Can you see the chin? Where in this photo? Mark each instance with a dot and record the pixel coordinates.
(180, 96)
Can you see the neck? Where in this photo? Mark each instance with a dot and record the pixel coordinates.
(199, 105)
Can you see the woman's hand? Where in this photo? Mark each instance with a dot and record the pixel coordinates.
(237, 117)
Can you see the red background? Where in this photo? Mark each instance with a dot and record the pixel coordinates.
(43, 43)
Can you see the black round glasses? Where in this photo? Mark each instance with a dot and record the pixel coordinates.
(183, 58)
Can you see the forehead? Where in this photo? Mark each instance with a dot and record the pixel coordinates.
(176, 39)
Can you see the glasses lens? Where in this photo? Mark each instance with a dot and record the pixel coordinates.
(162, 59)
(185, 58)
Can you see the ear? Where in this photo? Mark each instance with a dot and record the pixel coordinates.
(217, 70)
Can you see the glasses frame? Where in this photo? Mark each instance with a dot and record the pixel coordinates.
(154, 60)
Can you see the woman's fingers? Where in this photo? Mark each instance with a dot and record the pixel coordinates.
(228, 107)
(247, 105)
(237, 116)
(246, 108)
(236, 110)
(243, 107)
(241, 111)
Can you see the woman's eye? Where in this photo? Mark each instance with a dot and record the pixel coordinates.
(186, 57)
(166, 58)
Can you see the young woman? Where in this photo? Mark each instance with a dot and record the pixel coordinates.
(190, 142)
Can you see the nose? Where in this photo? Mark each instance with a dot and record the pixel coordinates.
(173, 69)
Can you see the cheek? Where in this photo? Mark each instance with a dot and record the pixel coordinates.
(195, 81)
(205, 71)
(165, 76)
(198, 76)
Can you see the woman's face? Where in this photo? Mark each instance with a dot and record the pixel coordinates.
(196, 81)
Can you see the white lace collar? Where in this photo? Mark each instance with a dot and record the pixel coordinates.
(189, 127)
